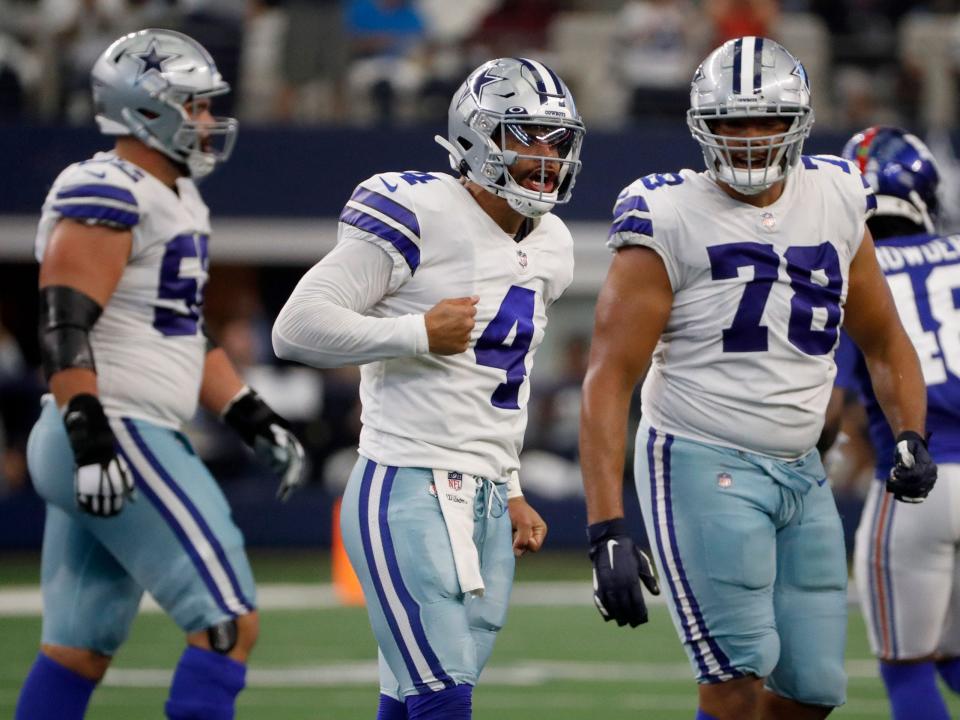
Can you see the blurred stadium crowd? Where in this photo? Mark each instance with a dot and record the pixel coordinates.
(380, 61)
(370, 63)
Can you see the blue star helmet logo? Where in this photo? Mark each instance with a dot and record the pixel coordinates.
(152, 59)
(482, 80)
(801, 72)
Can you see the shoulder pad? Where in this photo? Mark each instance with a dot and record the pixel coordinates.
(846, 175)
(816, 162)
(98, 192)
(382, 209)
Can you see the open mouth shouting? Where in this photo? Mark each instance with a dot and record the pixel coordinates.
(545, 183)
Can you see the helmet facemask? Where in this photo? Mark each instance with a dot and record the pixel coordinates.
(750, 165)
(553, 173)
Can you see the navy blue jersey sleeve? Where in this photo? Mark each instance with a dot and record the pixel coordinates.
(847, 358)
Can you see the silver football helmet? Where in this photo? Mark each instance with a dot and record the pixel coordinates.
(527, 100)
(142, 84)
(750, 77)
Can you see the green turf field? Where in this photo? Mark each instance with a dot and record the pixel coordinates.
(558, 662)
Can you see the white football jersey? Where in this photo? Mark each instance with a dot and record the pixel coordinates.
(148, 344)
(746, 359)
(463, 412)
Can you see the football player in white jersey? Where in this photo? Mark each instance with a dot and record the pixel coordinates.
(905, 561)
(731, 285)
(123, 243)
(439, 287)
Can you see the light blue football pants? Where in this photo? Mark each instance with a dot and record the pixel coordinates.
(431, 636)
(751, 552)
(177, 540)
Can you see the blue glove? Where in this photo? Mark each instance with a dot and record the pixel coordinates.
(914, 472)
(618, 568)
(270, 437)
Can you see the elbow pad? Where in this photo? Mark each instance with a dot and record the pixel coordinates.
(66, 318)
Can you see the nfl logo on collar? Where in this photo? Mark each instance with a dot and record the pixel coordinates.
(522, 259)
(455, 480)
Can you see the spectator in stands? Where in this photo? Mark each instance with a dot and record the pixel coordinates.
(386, 38)
(555, 408)
(19, 395)
(516, 26)
(655, 53)
(738, 18)
(314, 58)
(81, 30)
(18, 70)
(218, 26)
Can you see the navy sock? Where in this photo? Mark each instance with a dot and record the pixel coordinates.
(53, 692)
(950, 672)
(913, 692)
(205, 686)
(449, 704)
(701, 715)
(391, 709)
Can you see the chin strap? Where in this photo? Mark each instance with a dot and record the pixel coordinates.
(455, 157)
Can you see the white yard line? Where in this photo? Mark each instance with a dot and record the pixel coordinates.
(527, 673)
(25, 600)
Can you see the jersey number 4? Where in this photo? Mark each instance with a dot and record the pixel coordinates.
(815, 278)
(516, 311)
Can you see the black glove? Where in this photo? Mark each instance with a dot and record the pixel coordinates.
(618, 568)
(270, 437)
(102, 478)
(914, 472)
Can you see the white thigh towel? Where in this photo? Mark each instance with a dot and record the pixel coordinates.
(457, 493)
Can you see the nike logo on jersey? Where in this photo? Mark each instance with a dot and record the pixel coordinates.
(610, 545)
(388, 186)
(821, 482)
(102, 174)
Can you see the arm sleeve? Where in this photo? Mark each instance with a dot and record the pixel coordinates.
(323, 322)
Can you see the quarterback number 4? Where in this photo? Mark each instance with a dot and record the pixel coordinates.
(816, 281)
(492, 350)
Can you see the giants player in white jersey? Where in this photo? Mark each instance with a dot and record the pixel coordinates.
(731, 285)
(439, 287)
(123, 243)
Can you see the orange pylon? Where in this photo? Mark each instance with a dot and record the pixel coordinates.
(346, 584)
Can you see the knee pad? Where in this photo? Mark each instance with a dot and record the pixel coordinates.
(823, 683)
(223, 636)
(205, 686)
